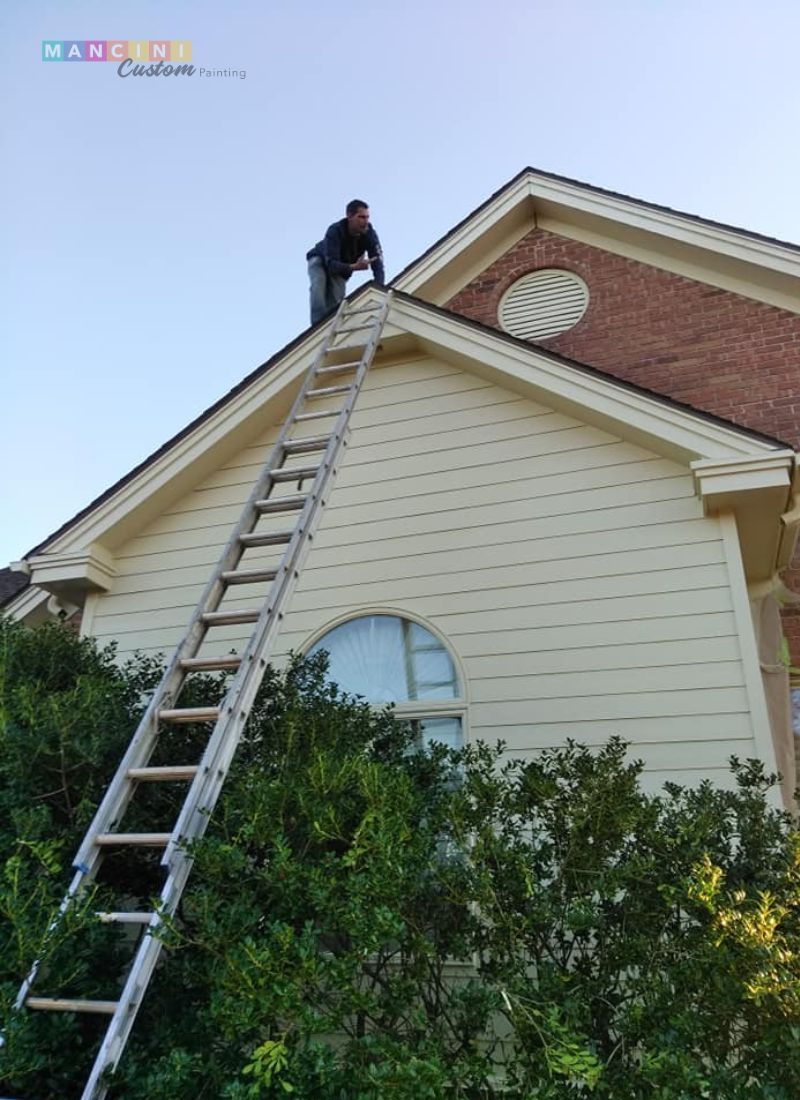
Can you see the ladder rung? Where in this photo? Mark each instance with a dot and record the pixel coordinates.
(124, 918)
(300, 473)
(249, 576)
(302, 446)
(337, 368)
(66, 1004)
(361, 309)
(317, 415)
(164, 772)
(189, 714)
(209, 664)
(142, 840)
(281, 504)
(230, 618)
(328, 391)
(255, 539)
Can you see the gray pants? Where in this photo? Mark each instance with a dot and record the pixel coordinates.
(325, 290)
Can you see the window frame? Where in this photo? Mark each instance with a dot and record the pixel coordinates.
(413, 709)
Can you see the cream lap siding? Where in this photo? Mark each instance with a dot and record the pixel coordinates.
(573, 573)
(162, 571)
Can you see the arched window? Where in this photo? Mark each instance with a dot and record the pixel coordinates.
(389, 659)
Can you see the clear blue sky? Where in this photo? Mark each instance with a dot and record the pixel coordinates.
(154, 230)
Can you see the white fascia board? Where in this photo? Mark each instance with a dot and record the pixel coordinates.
(74, 573)
(674, 431)
(455, 243)
(756, 491)
(28, 602)
(718, 481)
(546, 195)
(187, 451)
(679, 227)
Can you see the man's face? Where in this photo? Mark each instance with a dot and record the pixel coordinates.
(358, 222)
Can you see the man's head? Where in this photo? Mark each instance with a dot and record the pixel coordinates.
(357, 216)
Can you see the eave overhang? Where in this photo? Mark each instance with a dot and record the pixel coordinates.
(72, 575)
(759, 493)
(720, 255)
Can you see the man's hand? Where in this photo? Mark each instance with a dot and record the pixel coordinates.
(362, 263)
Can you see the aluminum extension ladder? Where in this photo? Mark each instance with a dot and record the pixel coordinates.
(267, 502)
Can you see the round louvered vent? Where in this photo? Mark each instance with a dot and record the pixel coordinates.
(543, 304)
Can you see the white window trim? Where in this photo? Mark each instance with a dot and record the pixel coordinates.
(416, 708)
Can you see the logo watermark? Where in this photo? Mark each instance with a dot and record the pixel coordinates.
(136, 57)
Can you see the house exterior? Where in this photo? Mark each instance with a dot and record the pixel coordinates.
(570, 477)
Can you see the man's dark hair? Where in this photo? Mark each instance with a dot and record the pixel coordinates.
(355, 205)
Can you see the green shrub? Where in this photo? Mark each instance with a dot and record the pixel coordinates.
(365, 920)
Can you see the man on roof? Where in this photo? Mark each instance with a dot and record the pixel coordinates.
(349, 245)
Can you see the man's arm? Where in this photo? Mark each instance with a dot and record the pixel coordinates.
(375, 253)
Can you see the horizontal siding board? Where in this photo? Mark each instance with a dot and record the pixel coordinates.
(521, 521)
(448, 414)
(443, 602)
(161, 632)
(441, 551)
(518, 481)
(493, 460)
(624, 658)
(636, 704)
(237, 599)
(588, 684)
(592, 731)
(194, 529)
(418, 418)
(710, 630)
(698, 756)
(416, 378)
(468, 579)
(234, 483)
(456, 395)
(466, 569)
(497, 436)
(458, 489)
(160, 581)
(515, 522)
(653, 781)
(467, 612)
(506, 609)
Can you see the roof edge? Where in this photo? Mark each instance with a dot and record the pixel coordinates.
(450, 316)
(605, 193)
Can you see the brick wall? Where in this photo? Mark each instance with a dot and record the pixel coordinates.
(715, 350)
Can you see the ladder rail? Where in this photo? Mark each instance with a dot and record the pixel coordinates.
(221, 747)
(244, 687)
(120, 791)
(208, 777)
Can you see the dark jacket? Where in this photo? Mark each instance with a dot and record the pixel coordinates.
(339, 249)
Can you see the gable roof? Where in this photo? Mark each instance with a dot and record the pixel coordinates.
(748, 263)
(306, 343)
(721, 255)
(530, 198)
(79, 556)
(11, 584)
